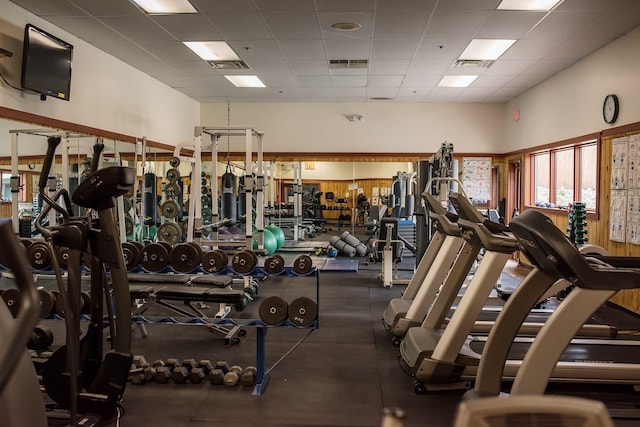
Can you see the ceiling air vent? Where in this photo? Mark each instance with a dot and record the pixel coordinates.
(229, 65)
(380, 98)
(348, 63)
(481, 63)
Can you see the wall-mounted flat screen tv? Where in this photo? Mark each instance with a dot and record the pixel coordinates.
(46, 63)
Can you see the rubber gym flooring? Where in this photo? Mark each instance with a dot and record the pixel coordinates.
(343, 374)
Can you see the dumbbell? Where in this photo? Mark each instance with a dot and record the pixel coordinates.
(248, 377)
(216, 375)
(41, 338)
(182, 373)
(198, 373)
(232, 377)
(137, 374)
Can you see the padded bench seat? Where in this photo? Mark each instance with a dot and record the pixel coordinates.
(206, 279)
(157, 278)
(197, 293)
(140, 291)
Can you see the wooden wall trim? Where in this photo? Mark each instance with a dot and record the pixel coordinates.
(31, 118)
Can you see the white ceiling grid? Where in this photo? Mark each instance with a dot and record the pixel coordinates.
(410, 44)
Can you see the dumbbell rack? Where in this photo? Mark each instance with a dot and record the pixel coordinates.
(262, 373)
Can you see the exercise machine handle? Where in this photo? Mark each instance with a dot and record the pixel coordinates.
(15, 343)
(52, 144)
(95, 160)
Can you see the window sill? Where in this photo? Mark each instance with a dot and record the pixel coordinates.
(593, 215)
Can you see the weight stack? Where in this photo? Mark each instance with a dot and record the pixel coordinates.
(24, 228)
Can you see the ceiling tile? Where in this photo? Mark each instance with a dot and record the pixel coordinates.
(49, 8)
(292, 25)
(392, 24)
(170, 52)
(215, 6)
(86, 28)
(441, 48)
(531, 49)
(279, 80)
(614, 23)
(315, 81)
(240, 26)
(318, 92)
(504, 67)
(381, 92)
(421, 81)
(587, 5)
(424, 66)
(467, 5)
(302, 49)
(385, 81)
(107, 8)
(285, 5)
(393, 48)
(138, 28)
(456, 24)
(574, 49)
(413, 92)
(342, 5)
(194, 68)
(388, 66)
(313, 68)
(188, 27)
(350, 91)
(507, 24)
(199, 81)
(406, 4)
(562, 24)
(256, 49)
(491, 81)
(349, 81)
(123, 49)
(266, 66)
(347, 49)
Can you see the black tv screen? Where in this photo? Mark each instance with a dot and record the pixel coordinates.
(46, 63)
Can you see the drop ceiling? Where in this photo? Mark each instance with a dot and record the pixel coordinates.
(409, 44)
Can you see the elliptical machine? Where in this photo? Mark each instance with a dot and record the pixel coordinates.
(79, 377)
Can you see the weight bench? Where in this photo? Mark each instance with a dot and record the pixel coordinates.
(179, 288)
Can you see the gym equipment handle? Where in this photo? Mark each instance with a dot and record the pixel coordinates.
(15, 342)
(52, 144)
(95, 160)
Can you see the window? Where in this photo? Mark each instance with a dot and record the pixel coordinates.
(564, 175)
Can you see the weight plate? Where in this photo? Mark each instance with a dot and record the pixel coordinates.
(172, 189)
(63, 256)
(154, 257)
(47, 302)
(214, 261)
(169, 232)
(205, 200)
(244, 261)
(273, 310)
(173, 175)
(170, 209)
(41, 338)
(206, 215)
(11, 298)
(303, 311)
(197, 247)
(184, 257)
(274, 264)
(131, 252)
(128, 225)
(302, 265)
(25, 242)
(39, 257)
(174, 162)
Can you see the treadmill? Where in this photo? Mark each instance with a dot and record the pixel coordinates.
(449, 358)
(596, 280)
(434, 299)
(411, 309)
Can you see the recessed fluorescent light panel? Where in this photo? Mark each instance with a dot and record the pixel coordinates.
(165, 7)
(486, 49)
(245, 81)
(213, 51)
(456, 81)
(532, 5)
